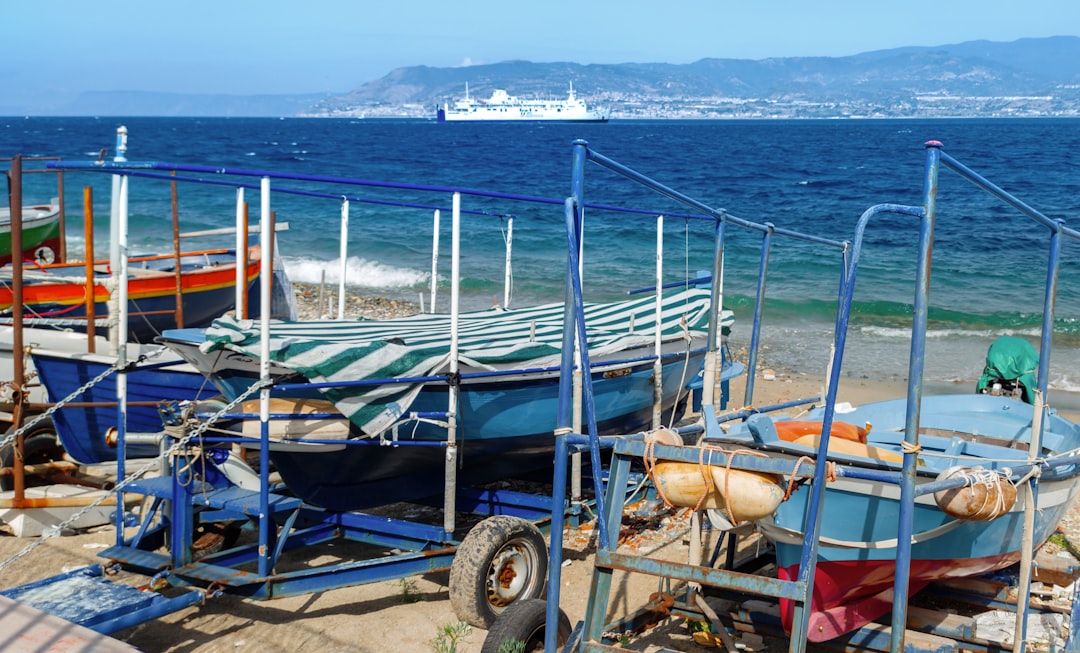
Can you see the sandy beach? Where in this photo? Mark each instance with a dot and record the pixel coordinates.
(403, 615)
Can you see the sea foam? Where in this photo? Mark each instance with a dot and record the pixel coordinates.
(358, 272)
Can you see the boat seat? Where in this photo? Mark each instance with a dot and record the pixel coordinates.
(763, 430)
(956, 447)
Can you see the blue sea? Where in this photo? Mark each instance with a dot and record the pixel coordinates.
(815, 177)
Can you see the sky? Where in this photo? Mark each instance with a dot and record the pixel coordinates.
(52, 49)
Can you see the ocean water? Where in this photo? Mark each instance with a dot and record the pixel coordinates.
(815, 177)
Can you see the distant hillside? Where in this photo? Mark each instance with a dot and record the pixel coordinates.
(1029, 76)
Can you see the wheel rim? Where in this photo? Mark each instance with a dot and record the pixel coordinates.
(513, 573)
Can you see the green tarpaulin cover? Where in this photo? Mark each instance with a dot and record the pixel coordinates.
(1011, 358)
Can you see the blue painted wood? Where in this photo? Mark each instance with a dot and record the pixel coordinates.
(84, 597)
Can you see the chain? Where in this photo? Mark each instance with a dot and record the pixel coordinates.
(56, 530)
(8, 439)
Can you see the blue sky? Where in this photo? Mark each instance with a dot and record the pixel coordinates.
(61, 47)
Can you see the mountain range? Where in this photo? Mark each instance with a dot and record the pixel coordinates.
(1027, 77)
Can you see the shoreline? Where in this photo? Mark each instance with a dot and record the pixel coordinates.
(318, 302)
(359, 304)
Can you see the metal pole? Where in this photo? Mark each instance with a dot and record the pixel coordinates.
(241, 248)
(450, 492)
(759, 305)
(15, 201)
(176, 257)
(343, 253)
(507, 274)
(120, 272)
(716, 310)
(436, 221)
(658, 338)
(61, 256)
(265, 272)
(114, 229)
(564, 417)
(916, 364)
(88, 230)
(1027, 549)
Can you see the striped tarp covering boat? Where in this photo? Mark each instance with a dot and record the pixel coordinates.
(337, 351)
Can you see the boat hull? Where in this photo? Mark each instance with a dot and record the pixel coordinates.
(505, 424)
(40, 234)
(207, 291)
(82, 428)
(856, 557)
(853, 586)
(506, 429)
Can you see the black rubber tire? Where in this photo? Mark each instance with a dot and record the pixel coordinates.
(40, 445)
(523, 621)
(502, 560)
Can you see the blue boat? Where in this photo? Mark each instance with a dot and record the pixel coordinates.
(506, 395)
(83, 428)
(975, 436)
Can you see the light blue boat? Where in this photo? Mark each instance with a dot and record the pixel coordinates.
(978, 435)
(389, 378)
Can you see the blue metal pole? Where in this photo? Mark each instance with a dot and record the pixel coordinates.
(565, 418)
(555, 553)
(812, 527)
(755, 333)
(1043, 381)
(914, 398)
(1049, 306)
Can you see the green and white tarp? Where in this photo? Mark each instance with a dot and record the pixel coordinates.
(416, 346)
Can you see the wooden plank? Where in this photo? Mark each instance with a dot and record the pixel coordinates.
(1055, 569)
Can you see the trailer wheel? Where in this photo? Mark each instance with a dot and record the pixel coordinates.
(501, 561)
(523, 622)
(40, 445)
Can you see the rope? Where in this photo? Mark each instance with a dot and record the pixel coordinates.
(118, 489)
(910, 447)
(792, 480)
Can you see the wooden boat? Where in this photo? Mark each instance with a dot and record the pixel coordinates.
(389, 379)
(60, 361)
(83, 428)
(977, 435)
(55, 295)
(40, 233)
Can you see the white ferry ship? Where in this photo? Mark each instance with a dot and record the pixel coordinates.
(502, 106)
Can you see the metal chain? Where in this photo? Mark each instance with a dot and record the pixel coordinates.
(56, 530)
(8, 439)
